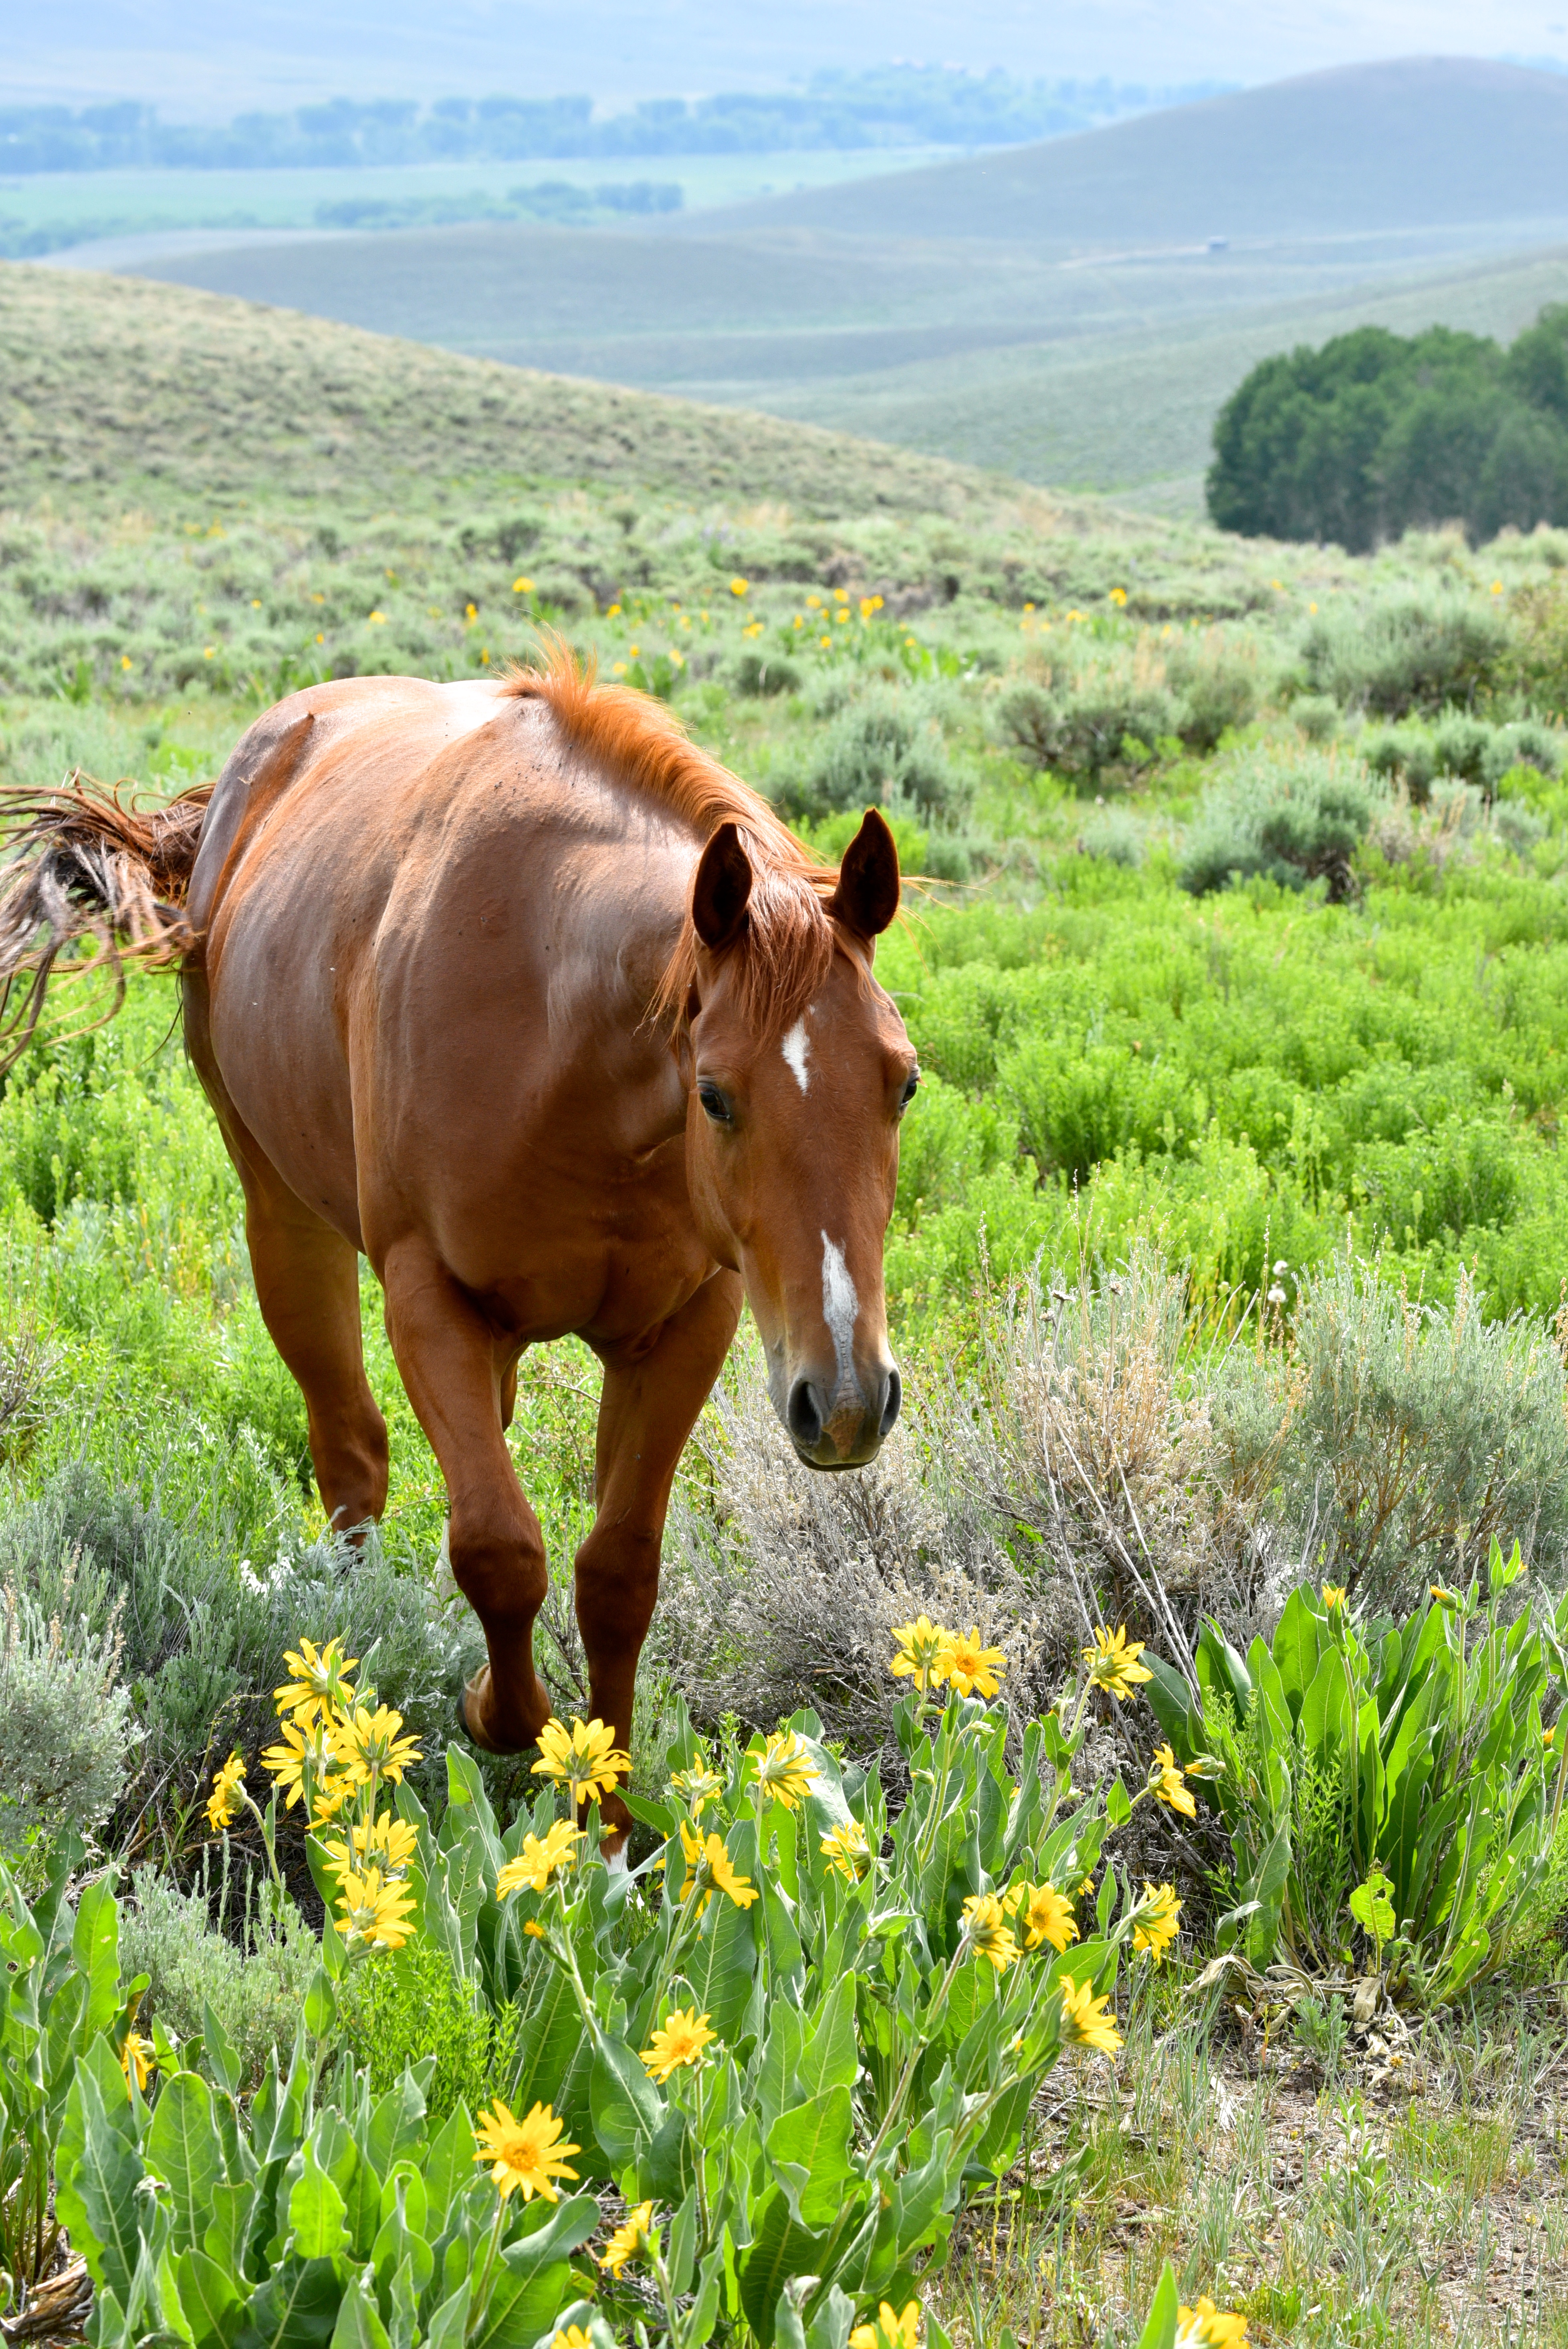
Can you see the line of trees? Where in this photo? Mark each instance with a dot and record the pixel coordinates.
(889, 106)
(1376, 433)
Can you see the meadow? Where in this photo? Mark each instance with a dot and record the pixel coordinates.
(1226, 1274)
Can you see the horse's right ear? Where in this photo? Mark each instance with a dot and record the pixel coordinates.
(866, 898)
(722, 890)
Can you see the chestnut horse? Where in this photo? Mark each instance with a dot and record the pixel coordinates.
(509, 988)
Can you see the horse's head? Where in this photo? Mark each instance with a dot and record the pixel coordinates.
(792, 1127)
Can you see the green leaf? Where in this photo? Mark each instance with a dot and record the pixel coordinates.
(808, 2147)
(1372, 1909)
(1160, 2332)
(100, 2171)
(782, 2248)
(221, 2055)
(623, 2099)
(1118, 1804)
(317, 2212)
(830, 2056)
(359, 2324)
(184, 2149)
(320, 2004)
(449, 2324)
(533, 2278)
(449, 2167)
(95, 1945)
(297, 2308)
(207, 2294)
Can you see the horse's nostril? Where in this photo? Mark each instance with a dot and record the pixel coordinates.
(892, 1404)
(805, 1415)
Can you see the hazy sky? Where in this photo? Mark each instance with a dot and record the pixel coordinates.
(195, 56)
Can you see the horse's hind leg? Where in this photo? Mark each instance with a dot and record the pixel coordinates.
(307, 1285)
(460, 1378)
(650, 1404)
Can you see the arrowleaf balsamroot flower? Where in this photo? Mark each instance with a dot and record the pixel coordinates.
(679, 2041)
(1169, 1784)
(1154, 1927)
(138, 2052)
(299, 1753)
(1084, 2023)
(1207, 2327)
(537, 1862)
(225, 1786)
(1332, 1595)
(988, 1932)
(698, 1788)
(630, 2239)
(374, 1912)
(525, 2155)
(389, 1843)
(584, 1759)
(1113, 1662)
(1044, 1915)
(918, 1645)
(890, 2331)
(971, 1667)
(845, 1849)
(573, 2336)
(317, 1684)
(709, 1868)
(369, 1742)
(786, 1770)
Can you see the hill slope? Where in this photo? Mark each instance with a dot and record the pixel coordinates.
(1417, 141)
(110, 381)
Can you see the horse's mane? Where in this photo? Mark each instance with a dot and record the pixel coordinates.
(789, 940)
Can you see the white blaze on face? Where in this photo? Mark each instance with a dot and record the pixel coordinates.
(795, 1047)
(841, 1311)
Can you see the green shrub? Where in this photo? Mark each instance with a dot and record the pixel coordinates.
(1462, 745)
(1289, 823)
(1405, 652)
(414, 2006)
(1414, 1434)
(1526, 743)
(1115, 834)
(64, 1721)
(758, 673)
(880, 749)
(1099, 719)
(254, 1983)
(1407, 753)
(1317, 715)
(1406, 1751)
(1216, 682)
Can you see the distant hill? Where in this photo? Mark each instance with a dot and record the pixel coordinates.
(106, 381)
(1418, 142)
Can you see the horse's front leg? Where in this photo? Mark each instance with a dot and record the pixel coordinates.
(650, 1404)
(460, 1380)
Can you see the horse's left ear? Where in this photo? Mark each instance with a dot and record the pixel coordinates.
(866, 898)
(721, 890)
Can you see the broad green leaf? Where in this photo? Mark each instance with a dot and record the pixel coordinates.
(359, 2324)
(95, 1944)
(449, 2167)
(184, 2149)
(1268, 1890)
(1160, 2332)
(316, 2230)
(829, 2057)
(208, 2293)
(1372, 1909)
(100, 2171)
(809, 2147)
(394, 2125)
(295, 2308)
(781, 2249)
(449, 2325)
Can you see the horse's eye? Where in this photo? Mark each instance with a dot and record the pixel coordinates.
(714, 1105)
(910, 1087)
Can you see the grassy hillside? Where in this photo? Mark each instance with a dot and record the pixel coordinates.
(1054, 311)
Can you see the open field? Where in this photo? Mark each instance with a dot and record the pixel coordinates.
(1054, 311)
(1226, 1262)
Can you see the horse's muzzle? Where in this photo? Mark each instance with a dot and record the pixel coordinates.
(843, 1431)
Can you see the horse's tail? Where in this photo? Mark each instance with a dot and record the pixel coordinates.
(80, 866)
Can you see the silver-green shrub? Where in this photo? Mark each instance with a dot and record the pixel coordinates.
(1289, 819)
(64, 1722)
(254, 1984)
(1401, 653)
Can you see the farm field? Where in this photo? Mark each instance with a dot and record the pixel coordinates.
(1054, 310)
(1227, 1263)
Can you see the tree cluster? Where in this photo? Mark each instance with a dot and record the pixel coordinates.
(1376, 433)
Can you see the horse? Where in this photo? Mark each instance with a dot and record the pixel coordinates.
(510, 988)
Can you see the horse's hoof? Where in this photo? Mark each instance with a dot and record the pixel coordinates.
(465, 1716)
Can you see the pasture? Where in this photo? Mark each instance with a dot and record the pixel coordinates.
(1226, 1265)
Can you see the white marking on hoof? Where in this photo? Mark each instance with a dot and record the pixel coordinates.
(619, 1865)
(795, 1048)
(840, 1311)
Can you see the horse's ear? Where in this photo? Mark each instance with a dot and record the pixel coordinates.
(721, 893)
(866, 898)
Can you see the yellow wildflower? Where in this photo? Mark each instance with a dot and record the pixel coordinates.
(1444, 1598)
(709, 1868)
(584, 1759)
(373, 1910)
(368, 1744)
(1113, 1662)
(138, 2052)
(1154, 1927)
(225, 1785)
(1169, 1784)
(786, 1770)
(988, 1932)
(680, 2040)
(630, 2239)
(970, 1668)
(302, 1753)
(738, 586)
(527, 2154)
(537, 1862)
(698, 1788)
(522, 586)
(571, 2336)
(535, 1931)
(847, 1850)
(390, 1843)
(919, 1645)
(1204, 2327)
(1333, 1595)
(317, 1681)
(890, 2331)
(1046, 1915)
(1084, 2023)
